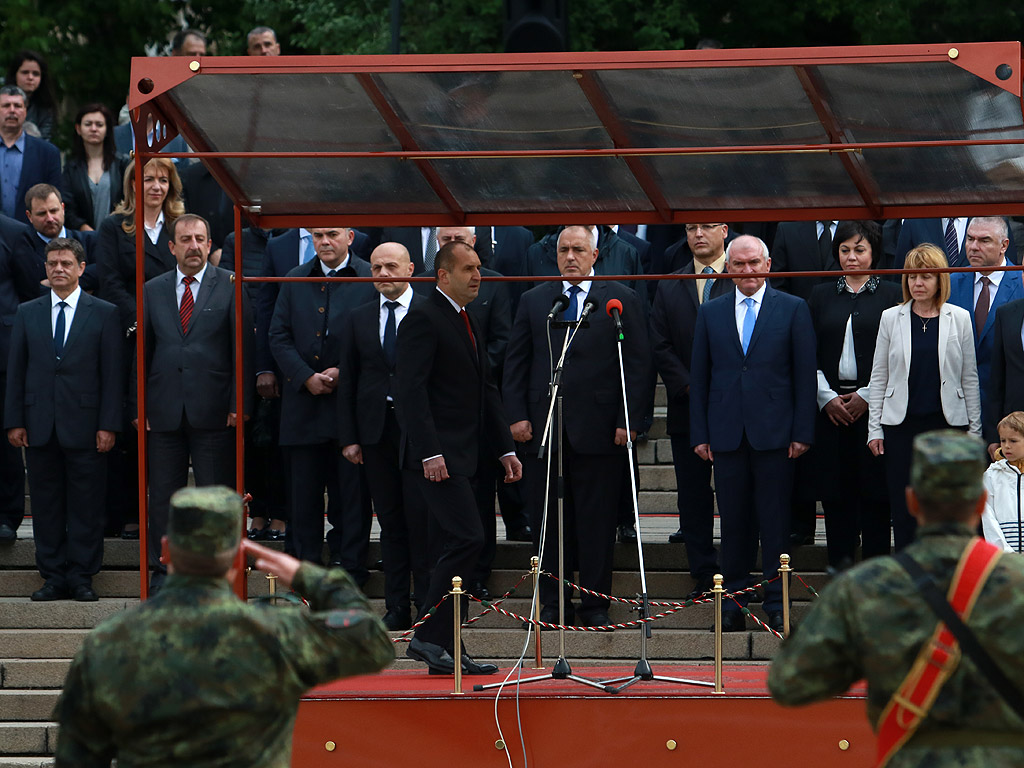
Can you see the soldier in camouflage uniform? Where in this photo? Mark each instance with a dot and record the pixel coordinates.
(195, 677)
(872, 621)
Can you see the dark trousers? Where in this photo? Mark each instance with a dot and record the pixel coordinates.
(899, 444)
(803, 507)
(212, 454)
(754, 491)
(593, 491)
(696, 503)
(455, 523)
(511, 503)
(12, 476)
(484, 485)
(68, 489)
(264, 460)
(402, 517)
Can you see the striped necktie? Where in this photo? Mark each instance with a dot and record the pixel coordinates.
(187, 303)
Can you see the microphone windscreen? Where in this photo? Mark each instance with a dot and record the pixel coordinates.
(613, 304)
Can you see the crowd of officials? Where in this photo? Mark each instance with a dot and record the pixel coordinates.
(411, 399)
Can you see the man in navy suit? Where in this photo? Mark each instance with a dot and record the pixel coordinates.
(982, 292)
(63, 407)
(752, 410)
(45, 210)
(948, 234)
(24, 160)
(369, 435)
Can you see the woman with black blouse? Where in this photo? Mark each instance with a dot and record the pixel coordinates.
(29, 72)
(850, 480)
(93, 173)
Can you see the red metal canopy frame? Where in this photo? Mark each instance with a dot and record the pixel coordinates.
(609, 138)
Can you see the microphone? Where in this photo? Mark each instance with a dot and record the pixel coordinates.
(588, 306)
(614, 310)
(561, 304)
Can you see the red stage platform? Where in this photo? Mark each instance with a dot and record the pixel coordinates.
(404, 718)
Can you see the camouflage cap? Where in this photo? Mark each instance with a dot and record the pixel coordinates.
(206, 521)
(948, 466)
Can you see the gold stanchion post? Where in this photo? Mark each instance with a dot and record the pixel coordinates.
(784, 571)
(272, 583)
(456, 596)
(718, 591)
(538, 662)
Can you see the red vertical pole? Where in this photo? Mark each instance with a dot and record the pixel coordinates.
(241, 582)
(140, 353)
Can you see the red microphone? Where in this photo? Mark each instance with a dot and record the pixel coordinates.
(614, 310)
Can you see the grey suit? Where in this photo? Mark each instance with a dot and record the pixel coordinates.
(190, 385)
(62, 403)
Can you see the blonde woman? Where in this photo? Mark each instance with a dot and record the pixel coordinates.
(924, 376)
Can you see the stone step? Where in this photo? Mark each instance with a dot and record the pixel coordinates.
(27, 738)
(40, 643)
(33, 673)
(20, 705)
(26, 762)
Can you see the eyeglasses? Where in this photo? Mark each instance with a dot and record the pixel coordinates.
(692, 228)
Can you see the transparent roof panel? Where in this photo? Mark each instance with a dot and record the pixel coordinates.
(548, 135)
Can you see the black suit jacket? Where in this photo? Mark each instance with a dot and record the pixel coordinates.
(673, 318)
(366, 377)
(306, 334)
(412, 239)
(73, 397)
(592, 395)
(32, 251)
(796, 250)
(1005, 387)
(115, 261)
(78, 196)
(19, 281)
(447, 404)
(193, 374)
(40, 165)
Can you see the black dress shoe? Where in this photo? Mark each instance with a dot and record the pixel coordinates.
(702, 587)
(130, 534)
(379, 565)
(49, 592)
(479, 590)
(272, 534)
(434, 656)
(471, 666)
(677, 537)
(397, 620)
(519, 534)
(83, 593)
(776, 622)
(801, 539)
(733, 621)
(549, 615)
(7, 533)
(596, 619)
(627, 534)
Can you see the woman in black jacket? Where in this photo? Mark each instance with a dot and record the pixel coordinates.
(846, 313)
(93, 174)
(29, 72)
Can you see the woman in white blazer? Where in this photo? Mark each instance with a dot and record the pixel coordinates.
(924, 377)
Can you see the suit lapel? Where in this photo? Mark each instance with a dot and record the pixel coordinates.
(208, 286)
(690, 286)
(945, 321)
(768, 303)
(82, 314)
(1007, 292)
(903, 328)
(448, 311)
(42, 327)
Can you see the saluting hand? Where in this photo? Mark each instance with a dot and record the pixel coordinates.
(282, 565)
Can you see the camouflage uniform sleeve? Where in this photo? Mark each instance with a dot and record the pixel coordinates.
(339, 636)
(820, 658)
(83, 740)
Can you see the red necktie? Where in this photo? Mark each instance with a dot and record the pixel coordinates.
(469, 328)
(187, 303)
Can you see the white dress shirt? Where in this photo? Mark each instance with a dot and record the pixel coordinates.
(69, 310)
(960, 225)
(993, 287)
(847, 365)
(179, 287)
(581, 297)
(741, 307)
(400, 311)
(153, 233)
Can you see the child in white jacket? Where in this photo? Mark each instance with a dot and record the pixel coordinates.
(1003, 519)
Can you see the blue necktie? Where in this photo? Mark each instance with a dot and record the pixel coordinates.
(748, 324)
(310, 252)
(390, 334)
(706, 294)
(58, 332)
(574, 306)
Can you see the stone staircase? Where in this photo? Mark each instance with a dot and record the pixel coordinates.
(38, 640)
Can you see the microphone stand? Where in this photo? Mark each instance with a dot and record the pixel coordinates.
(562, 669)
(643, 670)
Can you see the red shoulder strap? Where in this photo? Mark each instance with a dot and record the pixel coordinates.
(938, 658)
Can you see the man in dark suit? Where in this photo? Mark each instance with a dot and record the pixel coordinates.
(982, 292)
(949, 234)
(593, 429)
(306, 334)
(752, 409)
(22, 157)
(421, 242)
(673, 319)
(452, 421)
(368, 431)
(45, 211)
(510, 245)
(189, 322)
(1006, 375)
(63, 406)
